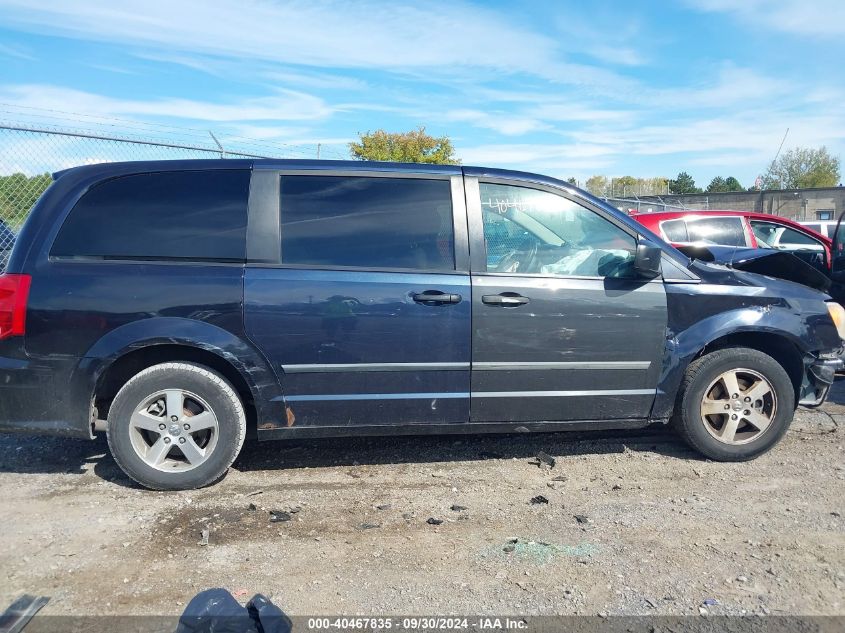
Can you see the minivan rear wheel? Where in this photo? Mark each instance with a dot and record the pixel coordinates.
(734, 404)
(176, 426)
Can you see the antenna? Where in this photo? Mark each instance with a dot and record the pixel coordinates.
(780, 147)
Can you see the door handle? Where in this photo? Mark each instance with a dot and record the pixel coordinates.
(506, 300)
(435, 297)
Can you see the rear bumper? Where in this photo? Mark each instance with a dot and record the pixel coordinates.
(819, 375)
(41, 398)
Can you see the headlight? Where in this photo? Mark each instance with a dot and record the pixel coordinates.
(837, 313)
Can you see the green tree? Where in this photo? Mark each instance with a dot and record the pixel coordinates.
(717, 184)
(651, 186)
(684, 183)
(18, 193)
(625, 186)
(802, 167)
(572, 181)
(597, 185)
(404, 147)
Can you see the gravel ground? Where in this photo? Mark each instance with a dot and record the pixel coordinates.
(634, 523)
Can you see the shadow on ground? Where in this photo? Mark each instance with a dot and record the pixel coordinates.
(49, 455)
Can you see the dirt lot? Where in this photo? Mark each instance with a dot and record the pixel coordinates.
(635, 524)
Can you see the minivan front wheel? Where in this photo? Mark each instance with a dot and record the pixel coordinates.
(734, 404)
(176, 426)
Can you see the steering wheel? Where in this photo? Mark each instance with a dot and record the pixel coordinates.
(520, 259)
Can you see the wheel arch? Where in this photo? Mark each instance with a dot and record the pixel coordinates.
(777, 345)
(124, 352)
(712, 334)
(117, 373)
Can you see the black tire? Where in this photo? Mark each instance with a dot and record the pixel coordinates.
(691, 425)
(207, 385)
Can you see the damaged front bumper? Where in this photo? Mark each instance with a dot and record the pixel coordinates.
(818, 377)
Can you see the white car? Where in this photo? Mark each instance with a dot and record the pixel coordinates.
(822, 227)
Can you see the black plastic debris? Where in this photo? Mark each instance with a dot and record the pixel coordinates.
(581, 518)
(433, 521)
(544, 458)
(217, 611)
(538, 500)
(20, 612)
(384, 506)
(490, 455)
(252, 507)
(457, 508)
(370, 526)
(279, 516)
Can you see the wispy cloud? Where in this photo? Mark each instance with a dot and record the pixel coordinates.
(365, 34)
(625, 89)
(503, 123)
(283, 105)
(314, 80)
(818, 18)
(14, 51)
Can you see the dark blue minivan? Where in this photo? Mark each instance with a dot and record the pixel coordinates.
(181, 305)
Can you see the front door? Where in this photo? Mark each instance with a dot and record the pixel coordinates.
(562, 329)
(365, 314)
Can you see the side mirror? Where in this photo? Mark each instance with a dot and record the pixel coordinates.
(647, 259)
(837, 253)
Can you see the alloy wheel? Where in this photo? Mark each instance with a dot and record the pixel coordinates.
(173, 430)
(738, 406)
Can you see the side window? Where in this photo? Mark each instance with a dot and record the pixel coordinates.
(179, 215)
(530, 231)
(366, 222)
(721, 231)
(765, 233)
(783, 237)
(675, 230)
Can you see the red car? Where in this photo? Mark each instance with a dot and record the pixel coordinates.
(742, 229)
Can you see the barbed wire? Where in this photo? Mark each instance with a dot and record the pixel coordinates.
(61, 120)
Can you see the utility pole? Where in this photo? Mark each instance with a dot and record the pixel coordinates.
(318, 151)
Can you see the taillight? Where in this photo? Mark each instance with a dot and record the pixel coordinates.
(14, 292)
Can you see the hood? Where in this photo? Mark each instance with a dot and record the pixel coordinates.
(771, 263)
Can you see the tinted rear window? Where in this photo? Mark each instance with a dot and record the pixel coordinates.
(722, 231)
(365, 222)
(675, 230)
(180, 215)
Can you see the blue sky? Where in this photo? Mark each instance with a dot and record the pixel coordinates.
(565, 88)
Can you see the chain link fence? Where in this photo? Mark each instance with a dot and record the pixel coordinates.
(635, 205)
(29, 155)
